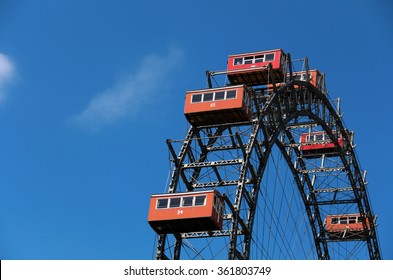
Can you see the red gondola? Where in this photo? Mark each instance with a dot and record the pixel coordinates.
(252, 68)
(348, 226)
(186, 212)
(218, 105)
(316, 143)
(315, 78)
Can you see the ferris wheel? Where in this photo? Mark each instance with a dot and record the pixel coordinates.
(267, 170)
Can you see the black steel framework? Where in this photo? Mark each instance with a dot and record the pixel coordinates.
(232, 157)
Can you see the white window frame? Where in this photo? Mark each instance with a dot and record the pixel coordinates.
(214, 96)
(254, 58)
(168, 204)
(311, 138)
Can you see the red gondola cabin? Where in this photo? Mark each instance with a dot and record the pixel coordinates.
(251, 68)
(218, 105)
(348, 226)
(315, 78)
(186, 212)
(316, 143)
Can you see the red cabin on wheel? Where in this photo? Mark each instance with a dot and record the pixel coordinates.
(186, 212)
(317, 143)
(314, 77)
(218, 105)
(348, 226)
(252, 68)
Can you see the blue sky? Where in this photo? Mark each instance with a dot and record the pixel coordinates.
(90, 91)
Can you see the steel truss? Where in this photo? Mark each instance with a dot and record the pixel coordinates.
(232, 157)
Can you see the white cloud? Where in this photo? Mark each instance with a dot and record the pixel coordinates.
(131, 93)
(7, 70)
